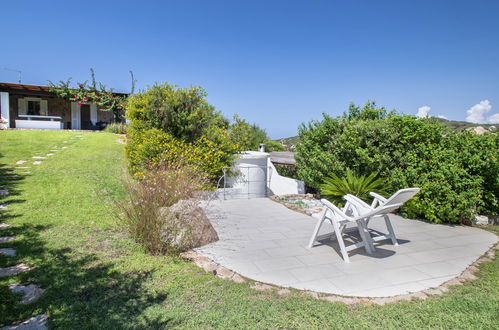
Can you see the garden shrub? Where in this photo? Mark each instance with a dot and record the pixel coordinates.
(250, 136)
(117, 128)
(457, 172)
(145, 212)
(151, 147)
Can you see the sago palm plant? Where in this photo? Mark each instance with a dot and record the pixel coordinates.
(335, 188)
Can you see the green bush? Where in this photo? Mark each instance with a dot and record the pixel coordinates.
(457, 172)
(152, 147)
(182, 113)
(117, 128)
(250, 136)
(169, 123)
(335, 187)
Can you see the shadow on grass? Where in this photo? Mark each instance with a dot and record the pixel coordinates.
(82, 290)
(9, 181)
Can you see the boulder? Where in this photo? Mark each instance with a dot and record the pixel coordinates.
(186, 226)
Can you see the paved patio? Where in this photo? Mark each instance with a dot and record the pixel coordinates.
(264, 241)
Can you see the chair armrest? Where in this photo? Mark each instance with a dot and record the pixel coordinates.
(378, 197)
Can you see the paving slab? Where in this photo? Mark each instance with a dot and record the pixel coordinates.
(38, 322)
(14, 270)
(9, 252)
(6, 239)
(4, 225)
(19, 162)
(267, 242)
(30, 293)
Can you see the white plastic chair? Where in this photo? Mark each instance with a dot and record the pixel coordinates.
(398, 198)
(339, 220)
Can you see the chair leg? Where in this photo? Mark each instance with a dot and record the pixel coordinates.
(365, 236)
(390, 229)
(316, 230)
(339, 237)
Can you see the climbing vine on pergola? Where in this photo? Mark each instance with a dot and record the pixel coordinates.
(97, 93)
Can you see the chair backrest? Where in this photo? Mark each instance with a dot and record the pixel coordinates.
(401, 196)
(338, 214)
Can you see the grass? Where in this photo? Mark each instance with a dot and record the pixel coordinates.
(62, 215)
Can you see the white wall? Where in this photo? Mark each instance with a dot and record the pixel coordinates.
(4, 104)
(281, 185)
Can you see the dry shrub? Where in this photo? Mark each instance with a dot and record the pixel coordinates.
(160, 187)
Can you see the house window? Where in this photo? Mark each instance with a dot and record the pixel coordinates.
(34, 108)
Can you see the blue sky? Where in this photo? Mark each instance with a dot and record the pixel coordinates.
(276, 63)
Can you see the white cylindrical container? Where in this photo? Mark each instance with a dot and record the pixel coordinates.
(251, 174)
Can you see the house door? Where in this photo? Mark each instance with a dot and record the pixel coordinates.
(75, 116)
(85, 116)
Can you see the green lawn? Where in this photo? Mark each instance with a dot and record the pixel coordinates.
(62, 215)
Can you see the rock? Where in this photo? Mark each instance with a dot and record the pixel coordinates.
(186, 226)
(262, 287)
(284, 292)
(8, 252)
(4, 192)
(4, 225)
(39, 157)
(50, 154)
(479, 130)
(6, 239)
(238, 278)
(481, 220)
(3, 206)
(64, 147)
(38, 322)
(22, 167)
(37, 162)
(30, 293)
(14, 270)
(19, 162)
(223, 272)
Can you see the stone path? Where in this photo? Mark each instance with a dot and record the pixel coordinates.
(38, 322)
(3, 206)
(4, 192)
(39, 157)
(4, 225)
(30, 293)
(19, 162)
(6, 239)
(37, 162)
(264, 241)
(8, 252)
(14, 270)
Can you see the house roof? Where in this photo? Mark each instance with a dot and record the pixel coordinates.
(30, 89)
(282, 157)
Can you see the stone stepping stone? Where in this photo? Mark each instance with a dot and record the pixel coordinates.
(22, 167)
(38, 322)
(39, 157)
(30, 293)
(14, 270)
(64, 147)
(4, 192)
(19, 162)
(6, 239)
(9, 252)
(37, 162)
(3, 206)
(50, 154)
(64, 141)
(4, 225)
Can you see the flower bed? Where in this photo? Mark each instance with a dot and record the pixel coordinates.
(304, 203)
